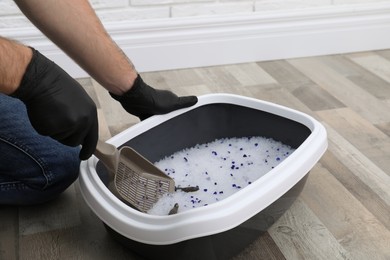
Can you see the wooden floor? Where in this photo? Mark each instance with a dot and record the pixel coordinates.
(344, 209)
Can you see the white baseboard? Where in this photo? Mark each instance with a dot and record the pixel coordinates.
(205, 41)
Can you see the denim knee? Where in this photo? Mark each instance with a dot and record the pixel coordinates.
(39, 177)
(33, 168)
(63, 170)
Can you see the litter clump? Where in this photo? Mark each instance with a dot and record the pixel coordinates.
(217, 169)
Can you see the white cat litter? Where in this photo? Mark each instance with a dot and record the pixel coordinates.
(219, 168)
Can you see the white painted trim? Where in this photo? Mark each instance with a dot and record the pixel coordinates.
(205, 41)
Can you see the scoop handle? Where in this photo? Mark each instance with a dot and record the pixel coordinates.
(109, 155)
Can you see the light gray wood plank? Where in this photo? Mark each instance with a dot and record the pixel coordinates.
(172, 79)
(301, 235)
(342, 65)
(385, 128)
(358, 231)
(73, 243)
(316, 98)
(374, 85)
(61, 213)
(384, 53)
(358, 188)
(196, 90)
(374, 63)
(180, 82)
(88, 240)
(285, 74)
(359, 75)
(372, 142)
(279, 96)
(217, 79)
(344, 90)
(263, 248)
(359, 164)
(373, 76)
(9, 239)
(250, 74)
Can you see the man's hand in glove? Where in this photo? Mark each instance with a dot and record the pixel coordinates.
(144, 101)
(58, 106)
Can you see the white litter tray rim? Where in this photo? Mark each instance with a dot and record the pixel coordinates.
(214, 218)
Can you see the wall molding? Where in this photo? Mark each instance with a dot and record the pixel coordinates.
(175, 43)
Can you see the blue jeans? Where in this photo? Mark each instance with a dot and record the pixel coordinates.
(33, 168)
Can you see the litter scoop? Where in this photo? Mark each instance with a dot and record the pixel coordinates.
(133, 178)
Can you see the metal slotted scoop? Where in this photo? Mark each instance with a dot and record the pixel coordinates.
(133, 178)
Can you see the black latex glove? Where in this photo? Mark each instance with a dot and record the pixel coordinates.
(58, 106)
(144, 101)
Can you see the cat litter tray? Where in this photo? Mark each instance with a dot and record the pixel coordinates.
(222, 229)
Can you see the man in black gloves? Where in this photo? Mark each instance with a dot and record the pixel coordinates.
(46, 116)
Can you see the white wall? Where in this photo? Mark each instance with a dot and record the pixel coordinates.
(174, 34)
(123, 10)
